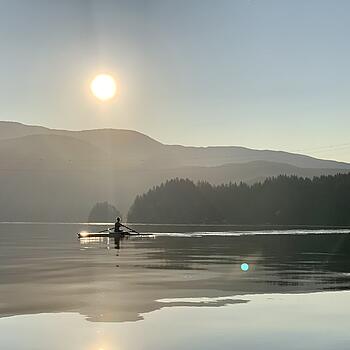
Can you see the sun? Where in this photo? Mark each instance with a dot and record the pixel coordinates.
(103, 86)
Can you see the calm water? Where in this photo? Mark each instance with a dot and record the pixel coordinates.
(173, 291)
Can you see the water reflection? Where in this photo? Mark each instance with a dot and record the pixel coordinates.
(46, 269)
(314, 321)
(108, 242)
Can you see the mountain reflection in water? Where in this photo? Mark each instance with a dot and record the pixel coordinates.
(45, 268)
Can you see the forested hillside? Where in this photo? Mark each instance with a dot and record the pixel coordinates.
(323, 200)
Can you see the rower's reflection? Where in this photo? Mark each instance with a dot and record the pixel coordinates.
(117, 242)
(118, 239)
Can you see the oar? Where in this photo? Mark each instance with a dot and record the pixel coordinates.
(131, 229)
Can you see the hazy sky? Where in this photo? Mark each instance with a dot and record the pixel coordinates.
(257, 73)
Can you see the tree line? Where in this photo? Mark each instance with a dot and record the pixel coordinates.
(287, 200)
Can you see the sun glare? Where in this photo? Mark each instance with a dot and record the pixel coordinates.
(83, 234)
(103, 87)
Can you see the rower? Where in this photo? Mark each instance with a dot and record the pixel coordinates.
(118, 225)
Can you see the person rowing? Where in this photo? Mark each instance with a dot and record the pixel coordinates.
(118, 225)
(112, 231)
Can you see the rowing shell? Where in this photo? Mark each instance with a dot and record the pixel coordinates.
(110, 233)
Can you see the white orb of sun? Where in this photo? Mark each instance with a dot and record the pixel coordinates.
(103, 87)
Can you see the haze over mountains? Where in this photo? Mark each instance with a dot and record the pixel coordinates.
(58, 175)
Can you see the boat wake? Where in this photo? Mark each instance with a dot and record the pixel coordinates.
(253, 233)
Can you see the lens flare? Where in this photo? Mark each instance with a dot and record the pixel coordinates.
(244, 267)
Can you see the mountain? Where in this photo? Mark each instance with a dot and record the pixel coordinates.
(214, 156)
(10, 130)
(59, 175)
(132, 146)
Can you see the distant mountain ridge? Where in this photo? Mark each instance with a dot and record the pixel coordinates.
(109, 140)
(57, 175)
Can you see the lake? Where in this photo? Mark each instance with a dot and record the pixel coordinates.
(184, 289)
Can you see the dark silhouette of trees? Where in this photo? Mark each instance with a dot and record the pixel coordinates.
(103, 212)
(288, 200)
